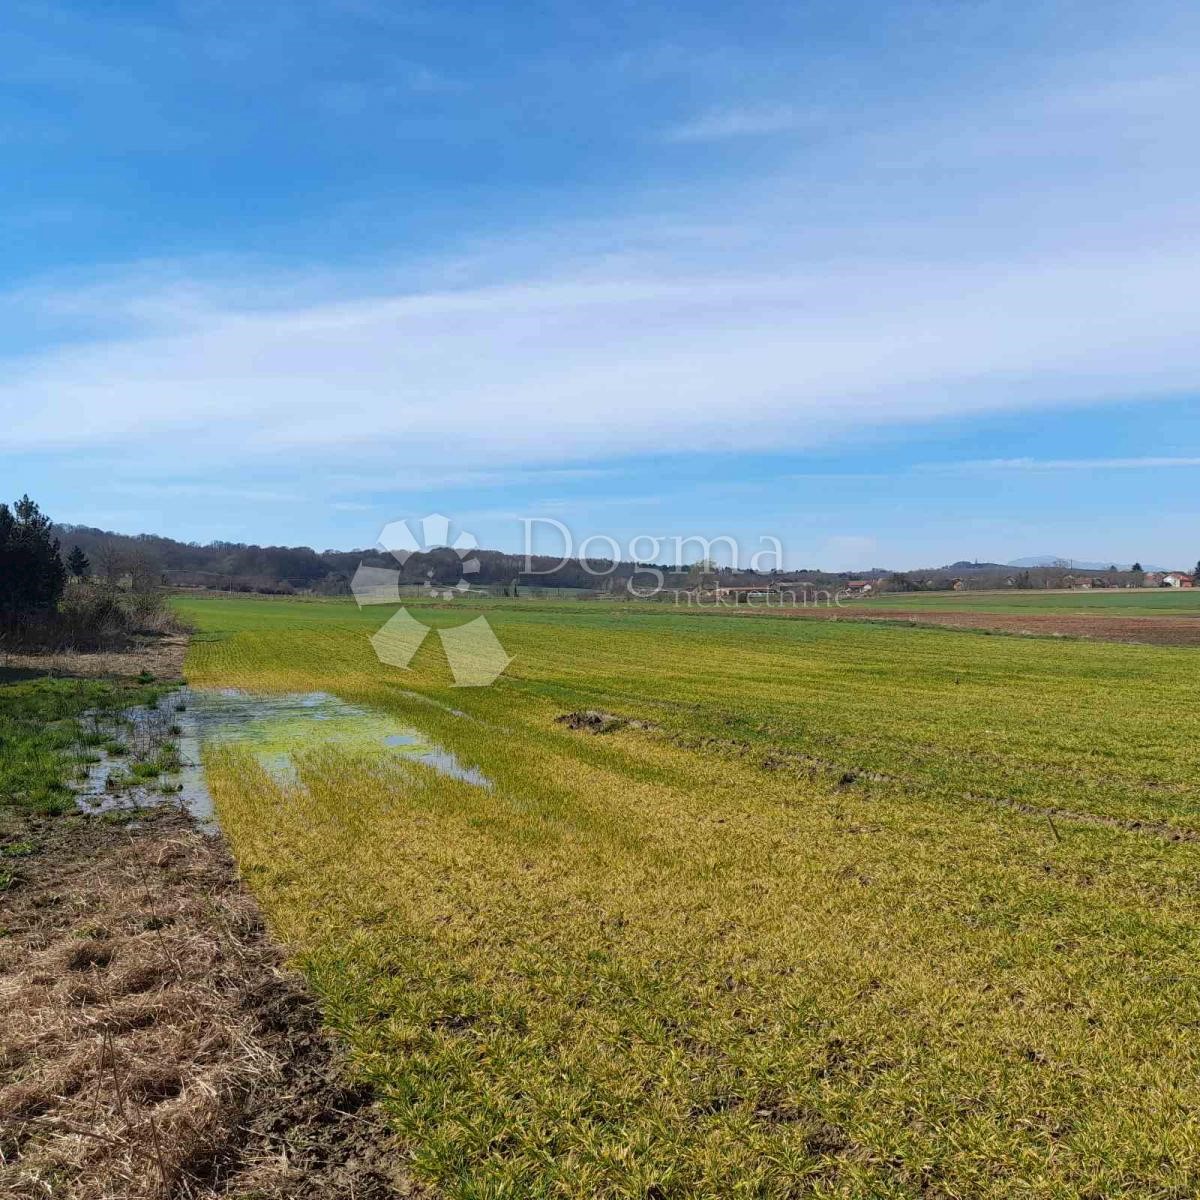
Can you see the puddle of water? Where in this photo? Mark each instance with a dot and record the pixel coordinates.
(143, 733)
(278, 727)
(275, 728)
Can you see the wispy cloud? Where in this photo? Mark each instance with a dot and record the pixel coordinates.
(538, 372)
(408, 477)
(356, 97)
(208, 491)
(1143, 463)
(880, 298)
(742, 122)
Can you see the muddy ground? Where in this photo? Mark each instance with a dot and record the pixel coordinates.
(152, 1041)
(1156, 631)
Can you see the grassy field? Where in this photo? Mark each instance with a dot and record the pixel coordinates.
(782, 934)
(1133, 602)
(45, 742)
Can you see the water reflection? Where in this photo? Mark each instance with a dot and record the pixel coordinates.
(275, 728)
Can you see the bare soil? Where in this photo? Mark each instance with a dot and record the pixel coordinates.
(1156, 631)
(152, 1042)
(593, 720)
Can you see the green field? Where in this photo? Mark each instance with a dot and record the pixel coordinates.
(1112, 602)
(45, 740)
(782, 934)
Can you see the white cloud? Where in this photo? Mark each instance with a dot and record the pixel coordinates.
(563, 371)
(880, 298)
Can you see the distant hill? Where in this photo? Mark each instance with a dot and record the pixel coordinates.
(235, 566)
(1053, 560)
(239, 567)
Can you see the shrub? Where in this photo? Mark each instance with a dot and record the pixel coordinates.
(94, 615)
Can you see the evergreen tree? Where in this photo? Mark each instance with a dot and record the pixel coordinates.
(32, 575)
(77, 563)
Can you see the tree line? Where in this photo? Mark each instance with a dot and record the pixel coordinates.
(35, 566)
(37, 607)
(235, 566)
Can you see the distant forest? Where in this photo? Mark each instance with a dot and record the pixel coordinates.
(233, 566)
(284, 570)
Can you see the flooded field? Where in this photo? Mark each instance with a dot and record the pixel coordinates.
(145, 753)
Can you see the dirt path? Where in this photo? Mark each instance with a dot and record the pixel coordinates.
(1158, 631)
(152, 1042)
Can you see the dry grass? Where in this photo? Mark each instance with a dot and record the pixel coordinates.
(151, 1043)
(161, 657)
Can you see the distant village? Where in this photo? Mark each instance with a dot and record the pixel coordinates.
(1172, 579)
(986, 577)
(970, 577)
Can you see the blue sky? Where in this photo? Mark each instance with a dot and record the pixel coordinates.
(895, 283)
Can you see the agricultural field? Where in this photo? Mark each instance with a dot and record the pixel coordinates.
(1163, 617)
(1116, 602)
(782, 908)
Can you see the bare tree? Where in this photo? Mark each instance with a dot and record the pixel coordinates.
(143, 568)
(110, 563)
